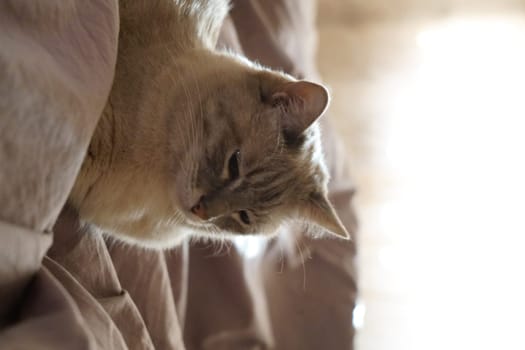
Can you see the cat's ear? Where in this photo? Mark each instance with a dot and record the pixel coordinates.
(318, 210)
(301, 103)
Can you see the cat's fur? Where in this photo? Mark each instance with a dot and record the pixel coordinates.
(160, 163)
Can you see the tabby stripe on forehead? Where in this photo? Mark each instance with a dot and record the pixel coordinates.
(233, 128)
(230, 121)
(255, 172)
(218, 156)
(273, 189)
(271, 198)
(261, 182)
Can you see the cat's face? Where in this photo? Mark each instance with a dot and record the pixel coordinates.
(254, 157)
(229, 149)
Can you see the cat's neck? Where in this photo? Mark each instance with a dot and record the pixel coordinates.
(160, 43)
(184, 23)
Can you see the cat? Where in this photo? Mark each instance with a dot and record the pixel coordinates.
(200, 143)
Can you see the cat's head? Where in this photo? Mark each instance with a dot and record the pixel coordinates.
(255, 159)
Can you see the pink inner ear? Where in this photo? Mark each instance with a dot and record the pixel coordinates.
(306, 101)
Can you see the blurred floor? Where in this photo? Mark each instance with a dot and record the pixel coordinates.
(433, 114)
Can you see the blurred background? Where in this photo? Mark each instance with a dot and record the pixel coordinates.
(430, 98)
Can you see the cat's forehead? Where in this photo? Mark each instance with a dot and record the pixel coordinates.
(238, 118)
(301, 167)
(243, 116)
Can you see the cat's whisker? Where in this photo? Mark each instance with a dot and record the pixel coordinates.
(177, 218)
(281, 250)
(296, 241)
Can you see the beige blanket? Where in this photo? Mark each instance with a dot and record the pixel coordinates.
(62, 288)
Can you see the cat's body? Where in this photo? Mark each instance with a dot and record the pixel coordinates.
(193, 141)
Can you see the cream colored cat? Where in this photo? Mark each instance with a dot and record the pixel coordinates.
(199, 142)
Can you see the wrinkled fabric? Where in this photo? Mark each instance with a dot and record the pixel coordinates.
(93, 292)
(57, 62)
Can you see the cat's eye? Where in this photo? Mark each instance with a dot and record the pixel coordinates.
(243, 215)
(233, 165)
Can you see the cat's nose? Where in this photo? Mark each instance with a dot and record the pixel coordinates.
(199, 210)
